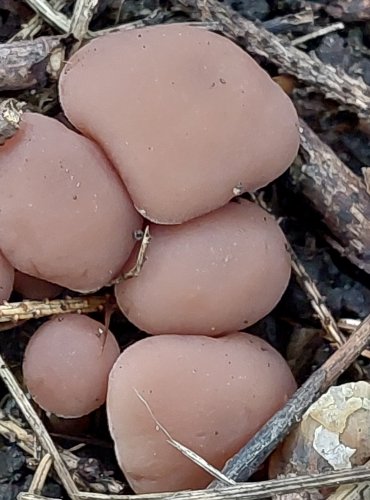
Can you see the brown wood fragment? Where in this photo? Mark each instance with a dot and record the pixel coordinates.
(337, 194)
(30, 63)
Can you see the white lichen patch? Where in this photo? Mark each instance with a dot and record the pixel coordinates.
(334, 408)
(328, 445)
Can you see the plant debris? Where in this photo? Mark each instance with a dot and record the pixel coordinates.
(319, 52)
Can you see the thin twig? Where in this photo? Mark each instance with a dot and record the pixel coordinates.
(26, 64)
(254, 453)
(30, 309)
(82, 14)
(41, 474)
(317, 301)
(38, 428)
(243, 491)
(140, 261)
(354, 491)
(318, 33)
(190, 454)
(348, 324)
(50, 14)
(325, 316)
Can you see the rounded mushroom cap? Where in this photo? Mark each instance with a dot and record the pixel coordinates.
(186, 116)
(211, 395)
(6, 278)
(214, 274)
(34, 288)
(65, 215)
(67, 363)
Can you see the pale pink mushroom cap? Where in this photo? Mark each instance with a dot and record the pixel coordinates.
(187, 117)
(211, 395)
(67, 363)
(34, 288)
(6, 278)
(218, 273)
(65, 215)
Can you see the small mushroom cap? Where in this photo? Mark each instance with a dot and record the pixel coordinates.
(67, 363)
(6, 278)
(65, 215)
(186, 116)
(34, 288)
(210, 394)
(218, 273)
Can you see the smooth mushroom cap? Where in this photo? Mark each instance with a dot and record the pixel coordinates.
(211, 395)
(34, 288)
(67, 363)
(218, 273)
(187, 117)
(6, 278)
(65, 215)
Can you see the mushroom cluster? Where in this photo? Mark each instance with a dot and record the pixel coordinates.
(171, 124)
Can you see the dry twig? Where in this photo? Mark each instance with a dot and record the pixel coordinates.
(338, 195)
(41, 474)
(140, 261)
(190, 454)
(82, 15)
(30, 309)
(318, 33)
(243, 491)
(326, 318)
(50, 14)
(317, 302)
